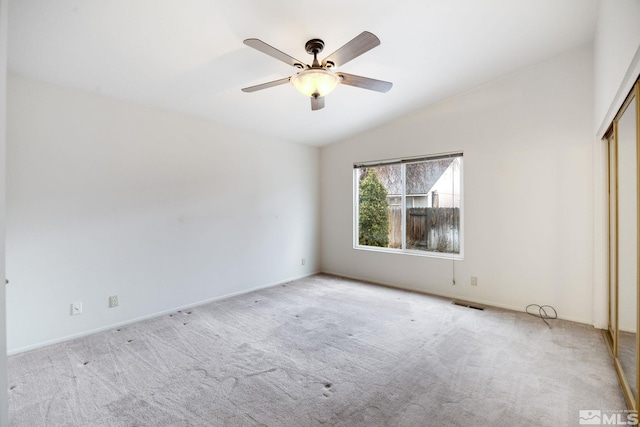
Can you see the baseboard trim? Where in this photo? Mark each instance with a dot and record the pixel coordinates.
(451, 296)
(19, 350)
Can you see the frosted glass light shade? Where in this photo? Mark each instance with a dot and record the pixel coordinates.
(315, 82)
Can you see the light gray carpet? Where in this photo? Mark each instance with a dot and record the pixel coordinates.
(320, 351)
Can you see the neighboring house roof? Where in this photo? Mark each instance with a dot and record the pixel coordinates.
(421, 177)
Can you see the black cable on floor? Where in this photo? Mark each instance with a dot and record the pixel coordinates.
(542, 313)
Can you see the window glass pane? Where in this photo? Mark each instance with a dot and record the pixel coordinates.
(433, 205)
(420, 214)
(379, 200)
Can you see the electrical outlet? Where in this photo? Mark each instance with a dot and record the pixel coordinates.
(474, 281)
(76, 308)
(304, 261)
(113, 301)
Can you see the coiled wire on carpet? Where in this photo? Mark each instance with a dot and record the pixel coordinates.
(542, 313)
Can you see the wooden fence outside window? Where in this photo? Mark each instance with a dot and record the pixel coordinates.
(428, 229)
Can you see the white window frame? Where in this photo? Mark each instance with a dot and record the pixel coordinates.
(403, 250)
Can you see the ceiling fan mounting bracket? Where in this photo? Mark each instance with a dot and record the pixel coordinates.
(314, 46)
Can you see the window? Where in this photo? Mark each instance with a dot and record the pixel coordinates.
(410, 205)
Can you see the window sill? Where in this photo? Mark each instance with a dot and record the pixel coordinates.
(439, 255)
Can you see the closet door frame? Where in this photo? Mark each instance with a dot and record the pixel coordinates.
(612, 333)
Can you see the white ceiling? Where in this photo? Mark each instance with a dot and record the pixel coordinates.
(188, 56)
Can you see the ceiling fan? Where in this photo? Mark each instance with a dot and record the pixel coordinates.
(319, 79)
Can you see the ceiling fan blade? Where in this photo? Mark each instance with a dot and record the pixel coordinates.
(273, 52)
(365, 82)
(266, 85)
(356, 47)
(317, 103)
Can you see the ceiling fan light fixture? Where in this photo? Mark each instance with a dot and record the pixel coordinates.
(315, 82)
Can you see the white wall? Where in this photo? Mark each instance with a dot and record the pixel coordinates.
(527, 142)
(109, 198)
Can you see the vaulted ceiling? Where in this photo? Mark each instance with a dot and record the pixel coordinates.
(187, 55)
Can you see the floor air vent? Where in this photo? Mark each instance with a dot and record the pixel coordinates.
(468, 305)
